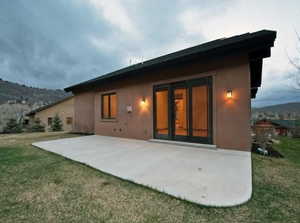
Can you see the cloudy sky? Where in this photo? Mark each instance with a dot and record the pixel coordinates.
(57, 43)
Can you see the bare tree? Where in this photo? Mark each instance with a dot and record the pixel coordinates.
(296, 64)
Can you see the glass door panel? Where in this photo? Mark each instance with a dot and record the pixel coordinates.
(200, 111)
(162, 113)
(180, 112)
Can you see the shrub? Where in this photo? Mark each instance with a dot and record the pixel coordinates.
(56, 124)
(37, 126)
(263, 137)
(12, 126)
(296, 132)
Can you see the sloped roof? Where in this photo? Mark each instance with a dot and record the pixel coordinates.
(256, 44)
(33, 112)
(286, 123)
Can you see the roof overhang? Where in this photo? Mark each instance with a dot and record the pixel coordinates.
(257, 45)
(42, 108)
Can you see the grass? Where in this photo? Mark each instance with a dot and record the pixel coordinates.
(37, 186)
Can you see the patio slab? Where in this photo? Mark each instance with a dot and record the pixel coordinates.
(211, 177)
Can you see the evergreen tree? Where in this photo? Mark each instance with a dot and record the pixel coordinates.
(37, 126)
(56, 124)
(12, 126)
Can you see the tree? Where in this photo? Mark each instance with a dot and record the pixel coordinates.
(263, 137)
(296, 130)
(56, 124)
(296, 64)
(37, 126)
(12, 126)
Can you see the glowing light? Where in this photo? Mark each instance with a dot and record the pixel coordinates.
(144, 104)
(229, 94)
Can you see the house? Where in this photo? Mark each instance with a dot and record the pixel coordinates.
(279, 127)
(63, 108)
(200, 94)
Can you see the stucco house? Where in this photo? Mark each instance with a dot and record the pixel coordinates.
(64, 108)
(200, 94)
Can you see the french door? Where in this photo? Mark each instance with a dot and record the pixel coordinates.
(183, 110)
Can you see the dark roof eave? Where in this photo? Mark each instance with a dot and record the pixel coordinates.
(252, 42)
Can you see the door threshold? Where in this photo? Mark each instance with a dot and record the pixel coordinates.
(180, 143)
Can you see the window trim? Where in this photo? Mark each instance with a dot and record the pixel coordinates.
(189, 83)
(69, 120)
(109, 106)
(49, 121)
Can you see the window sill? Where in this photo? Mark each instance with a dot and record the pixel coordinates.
(108, 120)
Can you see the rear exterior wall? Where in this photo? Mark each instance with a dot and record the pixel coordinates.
(84, 112)
(231, 118)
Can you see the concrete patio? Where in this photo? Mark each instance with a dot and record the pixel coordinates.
(207, 176)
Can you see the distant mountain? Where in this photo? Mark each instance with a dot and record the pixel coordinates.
(281, 108)
(10, 91)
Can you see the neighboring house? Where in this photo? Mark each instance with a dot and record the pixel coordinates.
(63, 108)
(279, 127)
(201, 94)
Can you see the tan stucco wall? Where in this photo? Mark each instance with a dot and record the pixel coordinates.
(84, 112)
(64, 109)
(231, 119)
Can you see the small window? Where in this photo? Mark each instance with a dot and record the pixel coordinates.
(109, 106)
(49, 120)
(69, 120)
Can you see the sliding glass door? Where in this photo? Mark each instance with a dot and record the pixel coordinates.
(162, 113)
(182, 111)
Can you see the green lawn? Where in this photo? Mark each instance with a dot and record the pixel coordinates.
(37, 186)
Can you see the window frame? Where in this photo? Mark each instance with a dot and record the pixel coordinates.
(49, 121)
(69, 120)
(189, 83)
(109, 106)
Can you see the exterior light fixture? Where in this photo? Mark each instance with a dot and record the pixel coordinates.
(229, 94)
(144, 104)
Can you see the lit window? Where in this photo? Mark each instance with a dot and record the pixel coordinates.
(109, 106)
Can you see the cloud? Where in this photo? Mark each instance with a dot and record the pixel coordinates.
(277, 88)
(48, 43)
(115, 14)
(57, 43)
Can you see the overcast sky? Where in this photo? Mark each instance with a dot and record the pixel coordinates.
(57, 43)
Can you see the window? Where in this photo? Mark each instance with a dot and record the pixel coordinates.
(109, 106)
(69, 120)
(49, 120)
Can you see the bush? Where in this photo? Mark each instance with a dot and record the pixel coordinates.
(56, 124)
(263, 137)
(12, 126)
(296, 132)
(37, 126)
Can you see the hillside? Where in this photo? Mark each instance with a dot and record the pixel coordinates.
(16, 100)
(13, 91)
(281, 108)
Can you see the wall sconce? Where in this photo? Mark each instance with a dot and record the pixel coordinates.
(144, 104)
(229, 94)
(143, 100)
